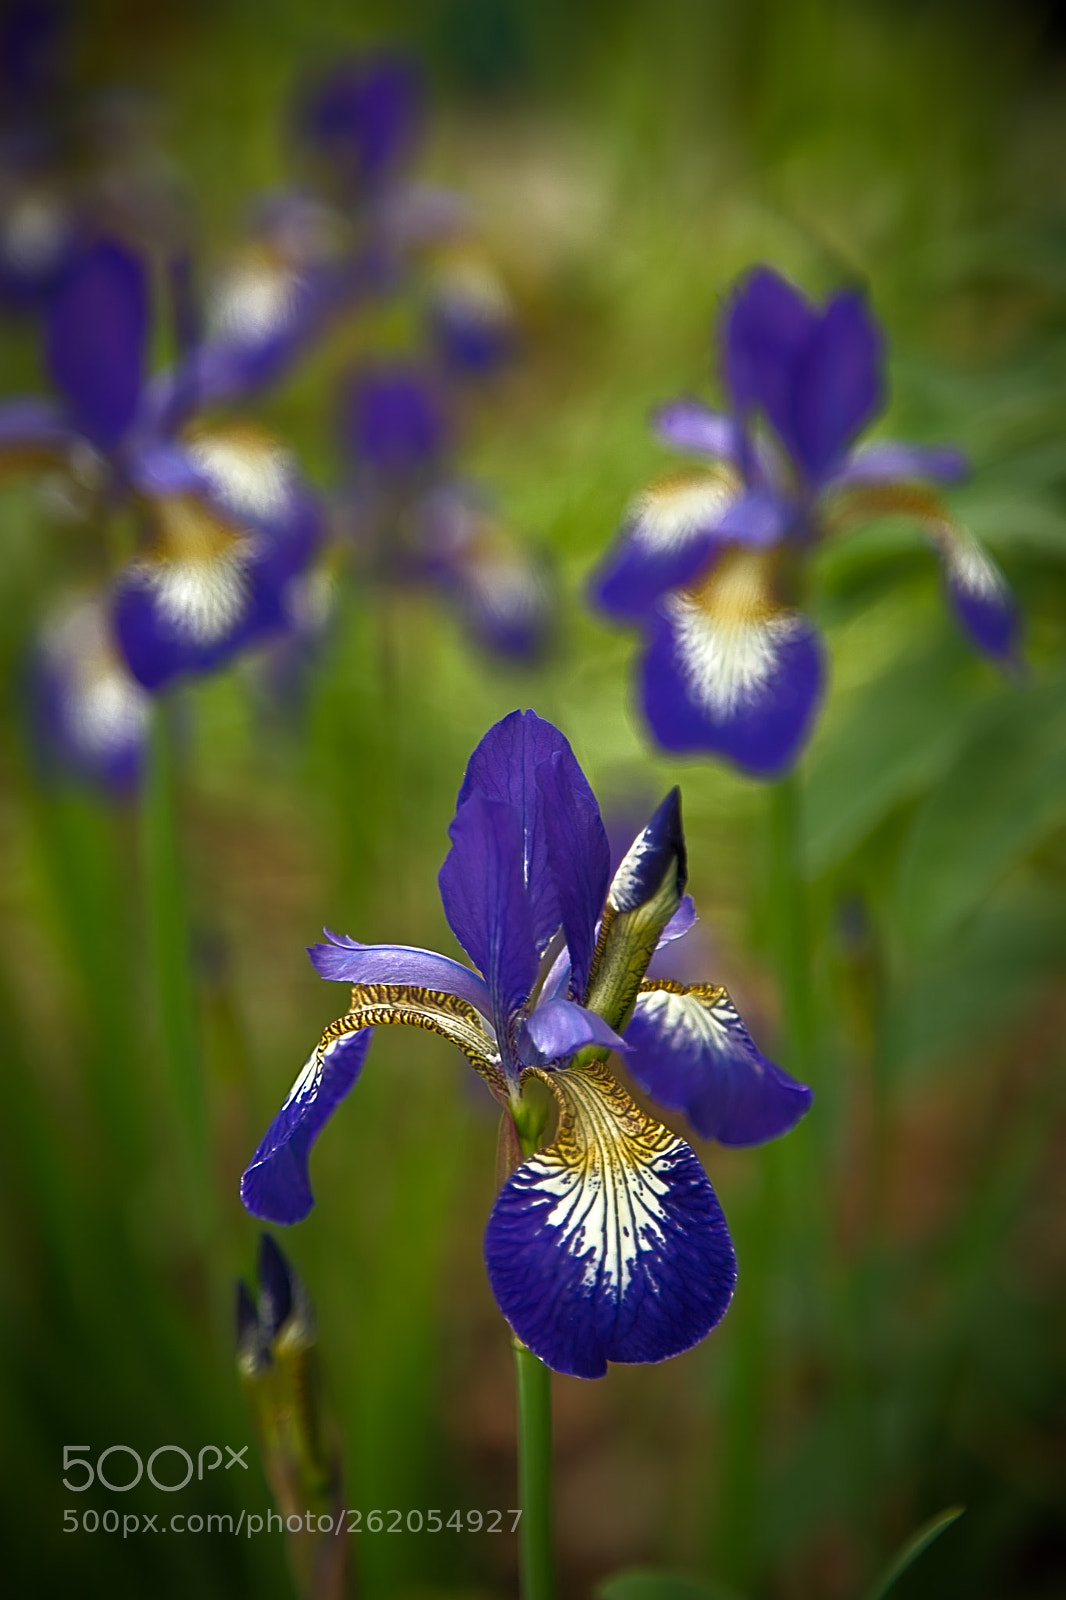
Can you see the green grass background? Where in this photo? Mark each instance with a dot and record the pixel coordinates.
(907, 1310)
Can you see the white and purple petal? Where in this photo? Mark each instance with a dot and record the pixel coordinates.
(690, 1051)
(609, 1245)
(979, 595)
(344, 960)
(670, 533)
(727, 671)
(91, 718)
(190, 617)
(276, 1185)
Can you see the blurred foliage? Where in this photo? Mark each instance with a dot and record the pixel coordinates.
(627, 160)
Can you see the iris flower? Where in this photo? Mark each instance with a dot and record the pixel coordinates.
(225, 519)
(707, 563)
(607, 1244)
(91, 718)
(419, 525)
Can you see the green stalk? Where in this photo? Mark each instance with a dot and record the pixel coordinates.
(790, 931)
(533, 1381)
(535, 1542)
(784, 1198)
(171, 967)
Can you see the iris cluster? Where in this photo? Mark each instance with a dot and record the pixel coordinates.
(709, 564)
(206, 538)
(607, 1243)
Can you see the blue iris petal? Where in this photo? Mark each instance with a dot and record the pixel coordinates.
(504, 767)
(160, 643)
(558, 1028)
(759, 721)
(609, 1245)
(894, 461)
(345, 961)
(485, 901)
(689, 425)
(767, 326)
(838, 386)
(96, 340)
(691, 1053)
(276, 1185)
(579, 858)
(393, 419)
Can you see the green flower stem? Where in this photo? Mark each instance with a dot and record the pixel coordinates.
(535, 1543)
(533, 1381)
(781, 1203)
(789, 927)
(171, 967)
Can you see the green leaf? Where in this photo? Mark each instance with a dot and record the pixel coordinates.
(1001, 798)
(914, 1547)
(979, 983)
(647, 1585)
(897, 737)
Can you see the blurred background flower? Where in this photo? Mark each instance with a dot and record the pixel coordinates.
(618, 168)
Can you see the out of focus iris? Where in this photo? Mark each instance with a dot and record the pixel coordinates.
(709, 564)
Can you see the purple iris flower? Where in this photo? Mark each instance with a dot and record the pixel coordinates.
(227, 519)
(312, 252)
(38, 216)
(418, 525)
(705, 561)
(607, 1244)
(363, 120)
(91, 718)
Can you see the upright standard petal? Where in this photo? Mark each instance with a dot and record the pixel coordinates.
(96, 340)
(364, 117)
(579, 859)
(276, 1185)
(504, 767)
(690, 1051)
(609, 1245)
(839, 386)
(488, 907)
(344, 960)
(670, 532)
(766, 328)
(727, 670)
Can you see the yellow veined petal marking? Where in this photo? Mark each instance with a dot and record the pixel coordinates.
(377, 1005)
(608, 1171)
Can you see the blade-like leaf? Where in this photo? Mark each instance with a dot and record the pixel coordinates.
(1001, 798)
(898, 736)
(913, 1549)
